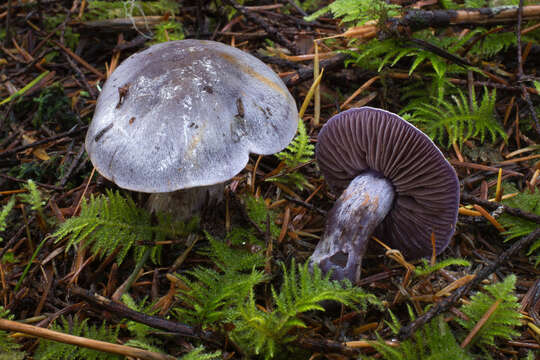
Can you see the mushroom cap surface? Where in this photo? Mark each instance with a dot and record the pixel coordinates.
(187, 113)
(426, 186)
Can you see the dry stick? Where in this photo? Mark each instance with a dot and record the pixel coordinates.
(415, 20)
(306, 73)
(72, 166)
(422, 19)
(79, 59)
(442, 306)
(306, 205)
(46, 186)
(81, 341)
(492, 205)
(272, 31)
(7, 39)
(75, 68)
(520, 75)
(152, 321)
(73, 131)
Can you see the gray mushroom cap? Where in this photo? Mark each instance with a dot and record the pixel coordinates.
(187, 113)
(426, 186)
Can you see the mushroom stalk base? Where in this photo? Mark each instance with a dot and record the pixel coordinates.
(187, 203)
(352, 220)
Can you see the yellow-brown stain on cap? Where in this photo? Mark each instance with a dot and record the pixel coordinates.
(248, 70)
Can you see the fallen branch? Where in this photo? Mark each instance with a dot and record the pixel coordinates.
(152, 321)
(415, 20)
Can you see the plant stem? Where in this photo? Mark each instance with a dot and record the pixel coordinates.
(134, 275)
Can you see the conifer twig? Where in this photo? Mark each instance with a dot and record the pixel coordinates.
(492, 205)
(152, 321)
(442, 306)
(75, 130)
(81, 341)
(272, 31)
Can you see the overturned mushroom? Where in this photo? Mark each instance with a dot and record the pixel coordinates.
(186, 115)
(395, 184)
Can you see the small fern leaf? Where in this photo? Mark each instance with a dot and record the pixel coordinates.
(6, 209)
(504, 319)
(111, 222)
(518, 227)
(198, 354)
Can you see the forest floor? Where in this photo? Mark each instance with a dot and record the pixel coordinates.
(466, 78)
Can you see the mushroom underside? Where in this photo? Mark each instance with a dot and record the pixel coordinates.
(354, 217)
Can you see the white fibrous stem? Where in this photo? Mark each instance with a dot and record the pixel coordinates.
(355, 215)
(187, 203)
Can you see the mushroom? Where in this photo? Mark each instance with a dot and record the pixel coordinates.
(186, 115)
(395, 184)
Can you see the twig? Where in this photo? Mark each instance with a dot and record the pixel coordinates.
(7, 39)
(75, 68)
(46, 186)
(441, 52)
(14, 238)
(416, 20)
(492, 205)
(520, 75)
(75, 130)
(422, 19)
(272, 31)
(306, 73)
(442, 306)
(81, 341)
(79, 59)
(152, 321)
(305, 204)
(72, 166)
(133, 276)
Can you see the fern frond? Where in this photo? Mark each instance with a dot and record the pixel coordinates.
(109, 222)
(265, 332)
(518, 227)
(425, 268)
(209, 296)
(299, 151)
(258, 211)
(228, 259)
(52, 350)
(6, 209)
(492, 44)
(33, 197)
(434, 341)
(503, 320)
(197, 354)
(457, 120)
(358, 12)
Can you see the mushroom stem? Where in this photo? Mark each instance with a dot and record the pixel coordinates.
(352, 220)
(187, 203)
